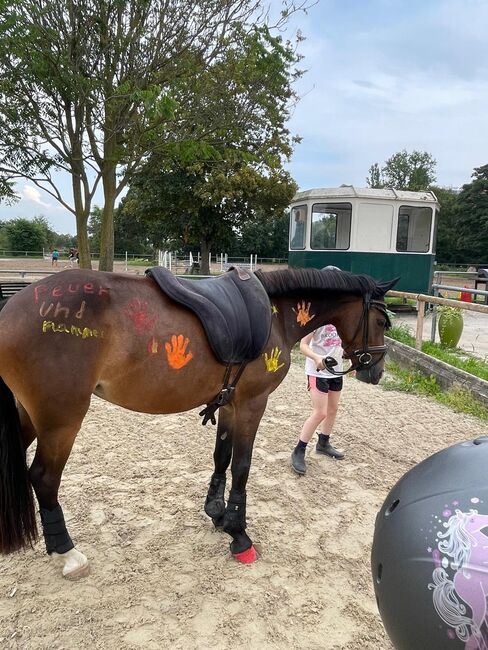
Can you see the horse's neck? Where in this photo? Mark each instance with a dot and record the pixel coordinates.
(295, 318)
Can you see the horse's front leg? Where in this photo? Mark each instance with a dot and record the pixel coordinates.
(215, 501)
(246, 422)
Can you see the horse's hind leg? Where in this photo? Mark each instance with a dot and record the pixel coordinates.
(29, 434)
(215, 501)
(54, 443)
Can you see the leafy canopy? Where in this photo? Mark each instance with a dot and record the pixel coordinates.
(404, 171)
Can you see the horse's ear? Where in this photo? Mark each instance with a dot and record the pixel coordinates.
(384, 287)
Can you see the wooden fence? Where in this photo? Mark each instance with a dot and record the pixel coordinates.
(422, 299)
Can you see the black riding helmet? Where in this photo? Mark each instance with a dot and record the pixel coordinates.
(430, 552)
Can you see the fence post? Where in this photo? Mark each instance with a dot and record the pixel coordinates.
(126, 261)
(221, 262)
(434, 318)
(420, 324)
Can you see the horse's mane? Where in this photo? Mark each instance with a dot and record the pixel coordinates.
(277, 283)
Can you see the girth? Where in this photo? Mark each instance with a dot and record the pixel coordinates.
(233, 308)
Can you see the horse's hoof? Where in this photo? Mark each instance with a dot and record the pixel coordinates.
(247, 557)
(77, 574)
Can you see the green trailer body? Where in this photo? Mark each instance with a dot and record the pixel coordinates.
(415, 271)
(379, 232)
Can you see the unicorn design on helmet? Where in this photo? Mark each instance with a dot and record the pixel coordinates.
(461, 602)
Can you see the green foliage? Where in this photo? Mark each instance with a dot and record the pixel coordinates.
(394, 300)
(472, 218)
(95, 227)
(403, 334)
(26, 235)
(404, 171)
(97, 88)
(458, 358)
(232, 208)
(413, 381)
(454, 357)
(447, 246)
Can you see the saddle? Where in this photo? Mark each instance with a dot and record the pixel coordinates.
(233, 308)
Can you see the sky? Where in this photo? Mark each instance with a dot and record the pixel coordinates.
(381, 76)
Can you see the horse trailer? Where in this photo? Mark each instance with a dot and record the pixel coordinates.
(380, 232)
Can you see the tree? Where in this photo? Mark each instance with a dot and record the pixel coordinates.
(263, 236)
(93, 87)
(204, 195)
(374, 178)
(404, 171)
(26, 235)
(447, 226)
(207, 210)
(472, 218)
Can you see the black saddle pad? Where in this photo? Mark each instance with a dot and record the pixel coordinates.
(234, 309)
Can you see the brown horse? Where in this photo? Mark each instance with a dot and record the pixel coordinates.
(79, 333)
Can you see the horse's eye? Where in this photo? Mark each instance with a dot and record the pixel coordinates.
(381, 322)
(484, 530)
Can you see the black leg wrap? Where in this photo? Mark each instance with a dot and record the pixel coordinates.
(55, 534)
(215, 503)
(235, 514)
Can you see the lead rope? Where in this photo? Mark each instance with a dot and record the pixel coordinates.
(224, 396)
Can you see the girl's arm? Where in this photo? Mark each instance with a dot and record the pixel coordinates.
(306, 350)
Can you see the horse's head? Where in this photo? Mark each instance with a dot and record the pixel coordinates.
(364, 343)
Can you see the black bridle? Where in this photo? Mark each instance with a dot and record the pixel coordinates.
(364, 355)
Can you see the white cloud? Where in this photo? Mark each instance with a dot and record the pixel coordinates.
(31, 193)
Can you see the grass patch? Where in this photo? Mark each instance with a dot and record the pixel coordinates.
(413, 381)
(454, 357)
(140, 262)
(396, 300)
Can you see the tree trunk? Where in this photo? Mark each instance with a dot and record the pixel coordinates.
(204, 253)
(107, 229)
(82, 211)
(82, 241)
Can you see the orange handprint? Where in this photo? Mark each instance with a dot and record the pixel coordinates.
(303, 315)
(176, 351)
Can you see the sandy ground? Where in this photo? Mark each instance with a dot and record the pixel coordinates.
(162, 577)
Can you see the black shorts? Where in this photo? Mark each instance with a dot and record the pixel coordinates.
(323, 385)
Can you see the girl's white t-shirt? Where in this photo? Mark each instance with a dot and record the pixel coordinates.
(325, 342)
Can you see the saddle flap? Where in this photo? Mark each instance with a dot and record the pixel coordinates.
(233, 308)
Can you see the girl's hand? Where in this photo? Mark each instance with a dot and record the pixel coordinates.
(319, 362)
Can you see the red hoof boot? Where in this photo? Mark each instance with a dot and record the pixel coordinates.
(247, 557)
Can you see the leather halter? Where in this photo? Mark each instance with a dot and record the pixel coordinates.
(363, 356)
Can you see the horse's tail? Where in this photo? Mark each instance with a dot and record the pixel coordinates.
(18, 528)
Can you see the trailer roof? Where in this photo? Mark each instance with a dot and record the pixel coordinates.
(351, 192)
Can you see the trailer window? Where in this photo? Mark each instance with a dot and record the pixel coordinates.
(298, 220)
(414, 228)
(331, 226)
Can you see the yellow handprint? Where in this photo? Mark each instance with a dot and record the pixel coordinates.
(272, 361)
(303, 315)
(176, 352)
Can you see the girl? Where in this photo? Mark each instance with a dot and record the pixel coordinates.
(325, 392)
